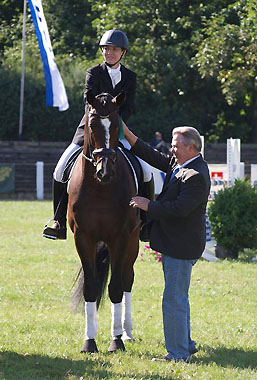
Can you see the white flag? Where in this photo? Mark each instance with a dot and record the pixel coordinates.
(55, 91)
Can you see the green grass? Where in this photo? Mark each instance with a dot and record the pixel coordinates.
(40, 337)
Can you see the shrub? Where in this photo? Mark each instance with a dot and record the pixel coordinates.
(233, 217)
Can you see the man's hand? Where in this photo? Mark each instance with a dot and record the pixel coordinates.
(140, 202)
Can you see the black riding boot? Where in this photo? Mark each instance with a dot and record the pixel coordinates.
(60, 202)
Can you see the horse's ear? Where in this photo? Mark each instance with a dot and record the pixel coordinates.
(90, 97)
(119, 99)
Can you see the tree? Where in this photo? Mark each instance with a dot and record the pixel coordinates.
(196, 61)
(41, 122)
(228, 52)
(162, 38)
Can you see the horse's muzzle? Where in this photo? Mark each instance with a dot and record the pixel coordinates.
(104, 159)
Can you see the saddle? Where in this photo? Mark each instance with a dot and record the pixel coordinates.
(133, 163)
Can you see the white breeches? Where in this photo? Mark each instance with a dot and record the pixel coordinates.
(61, 164)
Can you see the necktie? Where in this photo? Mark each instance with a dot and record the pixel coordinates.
(115, 75)
(174, 173)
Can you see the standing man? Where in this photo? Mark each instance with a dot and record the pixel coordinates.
(178, 228)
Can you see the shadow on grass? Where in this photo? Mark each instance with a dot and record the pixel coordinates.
(221, 356)
(227, 357)
(15, 366)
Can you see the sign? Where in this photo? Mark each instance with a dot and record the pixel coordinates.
(216, 175)
(7, 178)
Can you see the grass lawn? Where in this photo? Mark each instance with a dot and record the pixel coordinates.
(40, 338)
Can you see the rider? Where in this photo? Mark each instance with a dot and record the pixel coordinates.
(111, 77)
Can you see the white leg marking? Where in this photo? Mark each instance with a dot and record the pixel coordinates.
(91, 320)
(116, 319)
(127, 317)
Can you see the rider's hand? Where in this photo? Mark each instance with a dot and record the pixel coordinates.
(129, 135)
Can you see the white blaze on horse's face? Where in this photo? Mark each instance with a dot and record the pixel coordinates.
(102, 167)
(106, 123)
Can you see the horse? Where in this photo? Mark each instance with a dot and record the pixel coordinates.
(106, 229)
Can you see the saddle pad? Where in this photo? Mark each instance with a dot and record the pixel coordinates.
(135, 167)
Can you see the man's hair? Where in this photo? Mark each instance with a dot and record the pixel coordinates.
(190, 136)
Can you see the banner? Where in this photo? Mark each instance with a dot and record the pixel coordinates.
(7, 178)
(55, 91)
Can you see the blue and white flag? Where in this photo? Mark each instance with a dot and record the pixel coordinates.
(55, 91)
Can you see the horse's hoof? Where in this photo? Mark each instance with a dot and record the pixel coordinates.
(89, 345)
(116, 344)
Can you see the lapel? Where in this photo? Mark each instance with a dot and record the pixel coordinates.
(179, 174)
(168, 175)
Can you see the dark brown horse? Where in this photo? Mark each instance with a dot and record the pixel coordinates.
(101, 219)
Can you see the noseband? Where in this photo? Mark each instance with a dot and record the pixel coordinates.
(103, 152)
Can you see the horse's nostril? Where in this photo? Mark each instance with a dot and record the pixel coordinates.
(104, 177)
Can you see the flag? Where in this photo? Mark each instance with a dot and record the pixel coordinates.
(55, 91)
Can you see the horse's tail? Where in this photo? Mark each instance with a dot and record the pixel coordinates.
(102, 271)
(102, 268)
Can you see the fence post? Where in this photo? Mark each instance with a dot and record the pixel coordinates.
(40, 179)
(254, 174)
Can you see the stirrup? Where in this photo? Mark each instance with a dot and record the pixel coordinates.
(57, 232)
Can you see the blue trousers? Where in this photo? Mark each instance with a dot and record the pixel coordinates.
(175, 307)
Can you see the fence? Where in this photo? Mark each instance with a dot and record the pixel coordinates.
(23, 157)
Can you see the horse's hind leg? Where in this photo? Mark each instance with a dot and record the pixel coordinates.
(128, 279)
(115, 289)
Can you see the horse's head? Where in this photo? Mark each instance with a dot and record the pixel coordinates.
(102, 132)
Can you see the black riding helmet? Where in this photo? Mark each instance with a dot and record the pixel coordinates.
(117, 38)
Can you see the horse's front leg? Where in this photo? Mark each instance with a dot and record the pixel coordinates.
(116, 329)
(91, 325)
(127, 324)
(86, 251)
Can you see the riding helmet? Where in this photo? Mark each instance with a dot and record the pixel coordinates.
(114, 37)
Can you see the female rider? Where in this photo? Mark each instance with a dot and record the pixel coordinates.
(111, 77)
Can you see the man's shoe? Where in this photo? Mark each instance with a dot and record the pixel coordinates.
(193, 351)
(55, 232)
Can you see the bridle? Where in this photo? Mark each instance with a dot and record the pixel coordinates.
(103, 152)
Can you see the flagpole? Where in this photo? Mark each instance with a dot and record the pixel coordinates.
(22, 68)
